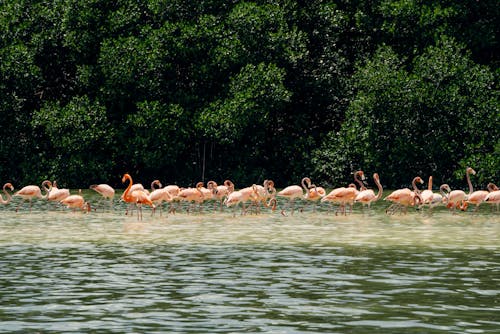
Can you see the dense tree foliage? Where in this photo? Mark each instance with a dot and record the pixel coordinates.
(248, 90)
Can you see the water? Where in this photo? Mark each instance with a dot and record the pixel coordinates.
(312, 272)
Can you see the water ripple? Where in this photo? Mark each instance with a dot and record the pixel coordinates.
(188, 274)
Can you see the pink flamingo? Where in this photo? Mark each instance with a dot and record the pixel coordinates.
(314, 193)
(435, 199)
(342, 196)
(159, 195)
(457, 198)
(192, 195)
(493, 198)
(239, 196)
(137, 197)
(427, 194)
(261, 194)
(431, 198)
(368, 196)
(56, 194)
(173, 190)
(209, 193)
(222, 191)
(27, 193)
(346, 195)
(76, 202)
(105, 190)
(293, 192)
(479, 196)
(8, 197)
(402, 198)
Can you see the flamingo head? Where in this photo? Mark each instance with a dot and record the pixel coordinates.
(491, 187)
(469, 170)
(9, 185)
(446, 187)
(229, 184)
(361, 174)
(125, 177)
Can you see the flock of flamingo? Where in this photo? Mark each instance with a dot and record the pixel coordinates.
(265, 195)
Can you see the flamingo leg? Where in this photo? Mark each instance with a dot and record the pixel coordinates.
(139, 212)
(17, 208)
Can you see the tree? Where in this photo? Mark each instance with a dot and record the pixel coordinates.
(157, 136)
(77, 139)
(429, 118)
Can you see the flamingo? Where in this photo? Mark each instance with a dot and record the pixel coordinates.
(293, 192)
(192, 195)
(27, 193)
(76, 202)
(135, 186)
(314, 193)
(56, 194)
(222, 191)
(457, 198)
(368, 196)
(431, 198)
(8, 197)
(137, 197)
(479, 196)
(173, 190)
(105, 190)
(346, 195)
(402, 198)
(239, 196)
(159, 195)
(342, 196)
(493, 198)
(261, 194)
(436, 198)
(209, 192)
(427, 194)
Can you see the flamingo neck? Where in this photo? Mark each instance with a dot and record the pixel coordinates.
(414, 184)
(443, 188)
(7, 195)
(304, 186)
(429, 186)
(47, 186)
(379, 186)
(126, 193)
(155, 183)
(229, 185)
(272, 203)
(471, 189)
(199, 185)
(212, 186)
(358, 181)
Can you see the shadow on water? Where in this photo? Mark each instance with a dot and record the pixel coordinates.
(307, 273)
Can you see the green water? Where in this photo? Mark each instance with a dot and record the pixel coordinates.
(312, 272)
